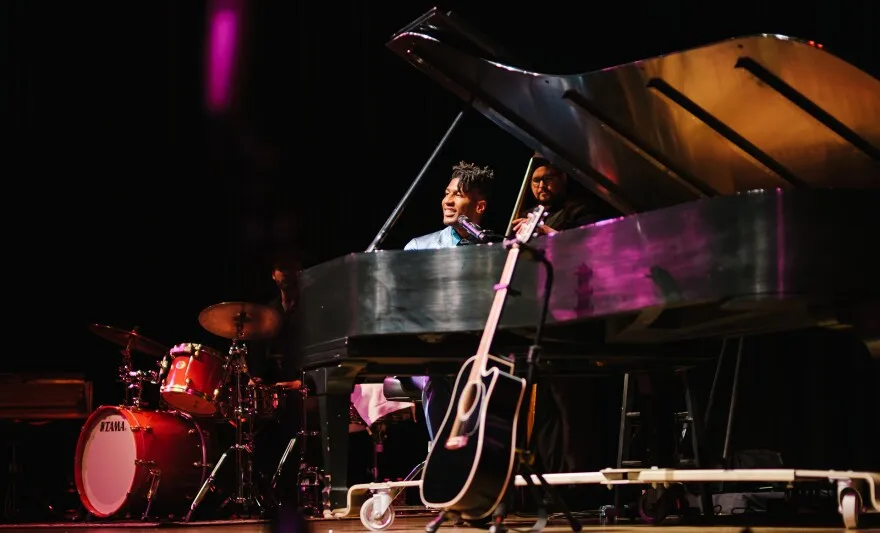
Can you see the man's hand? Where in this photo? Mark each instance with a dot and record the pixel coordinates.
(295, 384)
(542, 229)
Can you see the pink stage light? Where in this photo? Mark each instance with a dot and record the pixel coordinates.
(223, 25)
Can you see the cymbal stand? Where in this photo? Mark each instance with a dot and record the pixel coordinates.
(310, 479)
(133, 379)
(245, 491)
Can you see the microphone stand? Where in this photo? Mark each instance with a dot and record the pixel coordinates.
(525, 466)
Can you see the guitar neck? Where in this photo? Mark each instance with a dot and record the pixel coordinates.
(466, 401)
(501, 291)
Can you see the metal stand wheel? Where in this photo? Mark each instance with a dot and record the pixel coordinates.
(850, 508)
(377, 513)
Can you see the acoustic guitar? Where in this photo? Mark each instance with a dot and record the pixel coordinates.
(470, 464)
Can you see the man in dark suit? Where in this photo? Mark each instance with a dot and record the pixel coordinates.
(564, 434)
(275, 363)
(566, 206)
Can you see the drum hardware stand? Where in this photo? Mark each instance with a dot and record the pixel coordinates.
(309, 477)
(155, 476)
(280, 467)
(245, 492)
(133, 379)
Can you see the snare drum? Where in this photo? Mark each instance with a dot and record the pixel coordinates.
(194, 375)
(258, 400)
(121, 453)
(265, 400)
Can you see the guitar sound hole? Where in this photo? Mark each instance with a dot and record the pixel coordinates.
(469, 398)
(467, 404)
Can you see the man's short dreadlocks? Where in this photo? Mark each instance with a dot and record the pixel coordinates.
(472, 178)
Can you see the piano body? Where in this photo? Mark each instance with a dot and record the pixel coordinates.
(748, 175)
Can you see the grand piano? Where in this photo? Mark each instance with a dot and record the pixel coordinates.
(747, 173)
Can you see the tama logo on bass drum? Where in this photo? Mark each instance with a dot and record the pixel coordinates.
(112, 425)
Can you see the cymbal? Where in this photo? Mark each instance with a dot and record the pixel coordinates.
(257, 321)
(134, 340)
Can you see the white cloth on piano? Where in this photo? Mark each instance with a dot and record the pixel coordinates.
(370, 403)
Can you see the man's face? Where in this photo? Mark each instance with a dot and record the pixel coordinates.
(285, 278)
(548, 184)
(457, 203)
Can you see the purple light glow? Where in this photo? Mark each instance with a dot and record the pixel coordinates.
(616, 269)
(222, 33)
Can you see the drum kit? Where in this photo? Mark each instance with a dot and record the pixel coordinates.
(131, 459)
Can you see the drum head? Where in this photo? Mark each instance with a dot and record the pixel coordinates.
(189, 402)
(106, 454)
(189, 349)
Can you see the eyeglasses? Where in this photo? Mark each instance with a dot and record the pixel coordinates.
(546, 178)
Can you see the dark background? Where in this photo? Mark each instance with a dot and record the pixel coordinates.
(127, 203)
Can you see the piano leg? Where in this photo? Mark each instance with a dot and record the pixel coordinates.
(334, 415)
(333, 387)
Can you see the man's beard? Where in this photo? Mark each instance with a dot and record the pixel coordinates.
(553, 201)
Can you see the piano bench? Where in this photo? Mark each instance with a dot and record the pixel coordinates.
(402, 389)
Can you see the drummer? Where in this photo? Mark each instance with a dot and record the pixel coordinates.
(272, 362)
(276, 362)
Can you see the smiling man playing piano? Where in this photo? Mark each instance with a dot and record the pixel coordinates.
(466, 194)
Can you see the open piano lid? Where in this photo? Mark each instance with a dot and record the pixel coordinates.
(763, 111)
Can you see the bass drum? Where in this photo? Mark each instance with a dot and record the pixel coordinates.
(122, 453)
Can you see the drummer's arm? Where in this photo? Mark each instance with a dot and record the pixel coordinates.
(255, 369)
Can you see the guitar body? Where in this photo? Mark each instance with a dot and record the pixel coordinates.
(473, 479)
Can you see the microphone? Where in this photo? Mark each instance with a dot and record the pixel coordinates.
(482, 235)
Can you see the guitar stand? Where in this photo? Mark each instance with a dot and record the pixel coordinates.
(443, 516)
(526, 470)
(525, 467)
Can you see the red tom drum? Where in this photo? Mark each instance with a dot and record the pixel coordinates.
(194, 377)
(122, 453)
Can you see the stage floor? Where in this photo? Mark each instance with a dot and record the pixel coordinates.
(408, 524)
